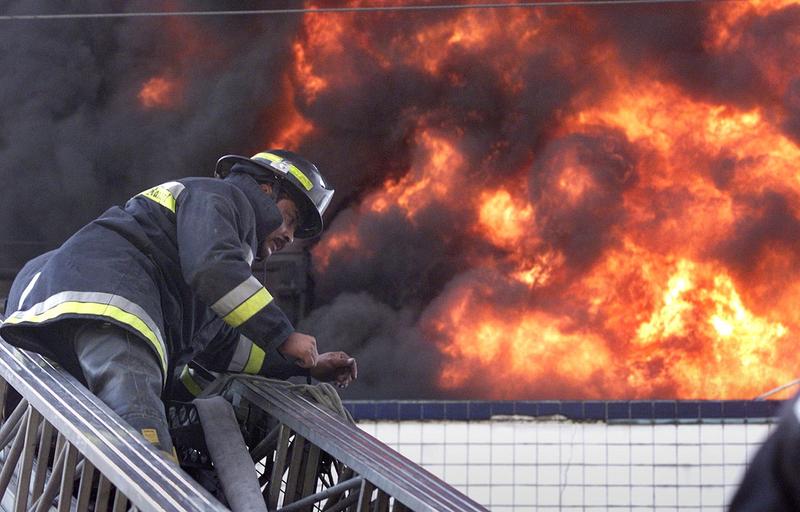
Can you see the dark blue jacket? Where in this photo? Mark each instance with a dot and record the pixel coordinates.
(172, 266)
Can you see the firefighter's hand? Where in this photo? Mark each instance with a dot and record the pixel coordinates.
(302, 348)
(335, 367)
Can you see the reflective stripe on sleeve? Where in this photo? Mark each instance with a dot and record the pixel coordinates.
(241, 354)
(28, 289)
(100, 304)
(255, 361)
(165, 194)
(248, 308)
(188, 381)
(234, 298)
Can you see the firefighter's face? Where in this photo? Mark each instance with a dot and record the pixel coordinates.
(284, 235)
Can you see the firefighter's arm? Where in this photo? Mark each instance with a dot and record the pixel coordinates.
(213, 257)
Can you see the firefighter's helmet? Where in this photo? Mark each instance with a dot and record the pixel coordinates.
(295, 175)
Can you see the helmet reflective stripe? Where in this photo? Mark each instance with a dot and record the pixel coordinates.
(284, 166)
(303, 183)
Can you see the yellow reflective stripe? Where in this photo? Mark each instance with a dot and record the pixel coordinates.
(255, 361)
(94, 308)
(287, 167)
(191, 385)
(165, 194)
(248, 308)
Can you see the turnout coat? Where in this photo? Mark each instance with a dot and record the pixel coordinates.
(173, 267)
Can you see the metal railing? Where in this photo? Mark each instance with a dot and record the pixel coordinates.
(62, 449)
(308, 457)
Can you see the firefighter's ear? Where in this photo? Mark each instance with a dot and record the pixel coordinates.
(266, 187)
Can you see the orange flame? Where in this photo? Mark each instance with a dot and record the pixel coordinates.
(159, 93)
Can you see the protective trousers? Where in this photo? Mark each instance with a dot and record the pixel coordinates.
(121, 370)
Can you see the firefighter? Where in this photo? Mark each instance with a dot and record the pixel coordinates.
(147, 287)
(772, 479)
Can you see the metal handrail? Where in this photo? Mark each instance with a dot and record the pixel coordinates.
(91, 439)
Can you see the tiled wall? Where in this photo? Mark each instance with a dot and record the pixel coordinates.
(552, 462)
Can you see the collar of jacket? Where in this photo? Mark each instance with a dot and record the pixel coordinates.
(268, 216)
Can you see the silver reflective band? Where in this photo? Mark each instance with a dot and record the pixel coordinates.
(241, 355)
(237, 296)
(96, 304)
(28, 290)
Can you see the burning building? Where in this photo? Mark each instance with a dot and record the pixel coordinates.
(554, 202)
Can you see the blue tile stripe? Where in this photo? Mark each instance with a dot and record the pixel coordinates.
(593, 410)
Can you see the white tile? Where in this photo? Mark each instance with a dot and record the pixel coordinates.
(711, 433)
(595, 475)
(620, 454)
(524, 475)
(571, 495)
(367, 426)
(666, 496)
(571, 453)
(571, 433)
(711, 496)
(642, 496)
(548, 495)
(456, 432)
(410, 432)
(713, 475)
(502, 454)
(642, 475)
(436, 469)
(665, 455)
(479, 474)
(412, 451)
(479, 454)
(502, 475)
(665, 434)
(548, 433)
(387, 432)
(433, 454)
(502, 495)
(482, 494)
(711, 454)
(456, 474)
(619, 496)
(688, 434)
(572, 475)
(618, 475)
(642, 434)
(757, 433)
(641, 454)
(548, 475)
(547, 454)
(479, 432)
(525, 454)
(733, 473)
(502, 432)
(594, 433)
(689, 475)
(736, 454)
(524, 495)
(524, 432)
(433, 432)
(619, 434)
(594, 454)
(455, 453)
(732, 434)
(688, 454)
(665, 475)
(596, 496)
(689, 496)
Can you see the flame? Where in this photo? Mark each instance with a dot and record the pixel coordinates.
(159, 92)
(657, 312)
